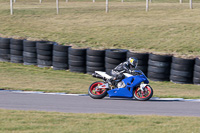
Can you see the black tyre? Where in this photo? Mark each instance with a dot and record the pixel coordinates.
(47, 46)
(60, 54)
(43, 57)
(60, 65)
(114, 61)
(44, 62)
(4, 51)
(17, 41)
(76, 63)
(60, 59)
(139, 56)
(28, 63)
(110, 66)
(97, 94)
(5, 41)
(92, 69)
(181, 73)
(16, 52)
(30, 49)
(59, 68)
(77, 69)
(28, 54)
(28, 43)
(196, 81)
(108, 71)
(180, 79)
(77, 58)
(61, 48)
(16, 47)
(164, 70)
(116, 53)
(196, 68)
(5, 57)
(94, 58)
(181, 67)
(16, 59)
(197, 61)
(91, 52)
(44, 52)
(183, 61)
(160, 58)
(29, 60)
(159, 64)
(77, 52)
(157, 75)
(196, 74)
(95, 64)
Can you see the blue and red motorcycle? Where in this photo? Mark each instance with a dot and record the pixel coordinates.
(134, 85)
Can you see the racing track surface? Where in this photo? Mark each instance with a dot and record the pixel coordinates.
(85, 104)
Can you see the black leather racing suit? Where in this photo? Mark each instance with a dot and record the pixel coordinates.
(118, 71)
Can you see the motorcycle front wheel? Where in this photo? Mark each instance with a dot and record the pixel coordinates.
(144, 95)
(95, 92)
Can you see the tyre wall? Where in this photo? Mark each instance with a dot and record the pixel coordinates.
(114, 57)
(5, 49)
(77, 60)
(95, 60)
(50, 54)
(159, 67)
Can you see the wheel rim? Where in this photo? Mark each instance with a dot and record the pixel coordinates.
(95, 91)
(143, 94)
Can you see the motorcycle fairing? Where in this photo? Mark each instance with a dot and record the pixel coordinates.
(130, 82)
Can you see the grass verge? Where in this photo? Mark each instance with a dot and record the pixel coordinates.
(35, 121)
(31, 78)
(168, 27)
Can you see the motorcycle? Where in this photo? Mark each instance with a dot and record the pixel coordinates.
(134, 85)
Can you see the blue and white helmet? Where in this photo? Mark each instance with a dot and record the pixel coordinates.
(133, 61)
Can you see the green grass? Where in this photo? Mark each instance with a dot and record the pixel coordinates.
(31, 78)
(168, 27)
(35, 121)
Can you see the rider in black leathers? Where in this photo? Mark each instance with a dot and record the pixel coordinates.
(124, 67)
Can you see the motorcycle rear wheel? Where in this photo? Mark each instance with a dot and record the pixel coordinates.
(97, 93)
(143, 95)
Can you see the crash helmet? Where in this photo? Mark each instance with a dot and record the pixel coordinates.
(133, 61)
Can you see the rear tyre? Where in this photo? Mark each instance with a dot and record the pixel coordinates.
(97, 93)
(145, 95)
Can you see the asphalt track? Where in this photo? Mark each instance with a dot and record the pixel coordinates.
(85, 104)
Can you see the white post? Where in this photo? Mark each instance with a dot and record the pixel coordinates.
(14, 1)
(93, 1)
(67, 0)
(57, 6)
(11, 7)
(191, 7)
(147, 5)
(107, 10)
(122, 1)
(40, 1)
(181, 1)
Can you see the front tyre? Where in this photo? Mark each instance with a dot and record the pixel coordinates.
(144, 95)
(95, 92)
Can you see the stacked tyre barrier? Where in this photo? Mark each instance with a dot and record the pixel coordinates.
(44, 54)
(114, 57)
(95, 61)
(182, 70)
(29, 53)
(5, 49)
(196, 77)
(60, 57)
(142, 60)
(16, 50)
(77, 60)
(159, 67)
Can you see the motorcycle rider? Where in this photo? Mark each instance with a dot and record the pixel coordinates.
(124, 67)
